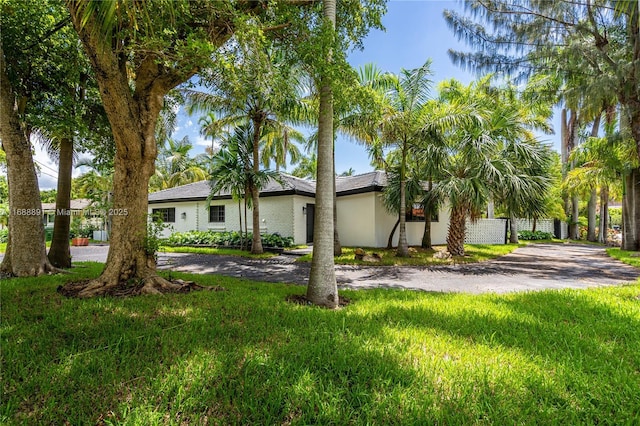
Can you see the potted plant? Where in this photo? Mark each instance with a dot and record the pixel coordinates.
(79, 234)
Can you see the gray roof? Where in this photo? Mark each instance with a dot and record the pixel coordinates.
(366, 182)
(345, 185)
(79, 204)
(201, 190)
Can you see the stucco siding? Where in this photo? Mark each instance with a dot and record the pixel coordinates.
(300, 218)
(357, 220)
(275, 216)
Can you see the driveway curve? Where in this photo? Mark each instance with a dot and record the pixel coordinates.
(530, 268)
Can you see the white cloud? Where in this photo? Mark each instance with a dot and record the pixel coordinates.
(206, 142)
(189, 123)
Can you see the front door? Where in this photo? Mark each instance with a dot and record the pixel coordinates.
(311, 209)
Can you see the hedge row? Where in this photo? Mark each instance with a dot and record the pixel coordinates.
(211, 238)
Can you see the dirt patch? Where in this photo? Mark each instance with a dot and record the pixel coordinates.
(301, 299)
(132, 288)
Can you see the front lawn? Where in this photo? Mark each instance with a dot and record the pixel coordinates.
(215, 250)
(629, 257)
(422, 257)
(246, 356)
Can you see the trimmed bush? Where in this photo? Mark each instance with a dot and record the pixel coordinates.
(221, 239)
(532, 236)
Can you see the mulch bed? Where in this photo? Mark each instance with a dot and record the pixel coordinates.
(133, 288)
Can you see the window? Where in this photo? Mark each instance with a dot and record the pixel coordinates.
(416, 214)
(166, 215)
(216, 214)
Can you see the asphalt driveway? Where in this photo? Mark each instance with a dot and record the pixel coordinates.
(534, 267)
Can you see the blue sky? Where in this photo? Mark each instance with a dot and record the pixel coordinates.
(414, 31)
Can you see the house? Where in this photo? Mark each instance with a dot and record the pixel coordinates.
(287, 207)
(78, 208)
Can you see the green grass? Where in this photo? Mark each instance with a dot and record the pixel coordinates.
(421, 257)
(212, 250)
(629, 257)
(245, 356)
(3, 247)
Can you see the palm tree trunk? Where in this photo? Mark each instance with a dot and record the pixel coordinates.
(393, 231)
(604, 214)
(456, 234)
(428, 210)
(322, 288)
(256, 244)
(591, 212)
(574, 230)
(513, 229)
(337, 247)
(629, 241)
(240, 222)
(59, 253)
(403, 247)
(593, 198)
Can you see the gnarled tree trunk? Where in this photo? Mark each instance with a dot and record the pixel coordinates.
(26, 252)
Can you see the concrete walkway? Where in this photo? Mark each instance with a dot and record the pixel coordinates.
(530, 268)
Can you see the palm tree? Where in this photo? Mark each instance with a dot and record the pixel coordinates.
(174, 166)
(403, 119)
(489, 154)
(307, 167)
(322, 288)
(260, 91)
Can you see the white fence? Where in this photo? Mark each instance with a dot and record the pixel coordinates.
(486, 231)
(543, 225)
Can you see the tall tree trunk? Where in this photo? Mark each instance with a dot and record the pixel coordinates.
(240, 227)
(535, 224)
(26, 253)
(337, 247)
(256, 243)
(636, 207)
(393, 231)
(604, 214)
(564, 157)
(403, 247)
(593, 198)
(591, 209)
(574, 229)
(59, 253)
(428, 211)
(513, 230)
(491, 209)
(456, 233)
(629, 207)
(322, 288)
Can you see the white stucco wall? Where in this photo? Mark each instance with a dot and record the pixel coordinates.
(277, 214)
(364, 222)
(357, 220)
(300, 218)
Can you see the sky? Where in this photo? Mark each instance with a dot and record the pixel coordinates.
(415, 31)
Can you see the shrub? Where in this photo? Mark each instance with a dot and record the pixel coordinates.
(233, 238)
(4, 235)
(531, 236)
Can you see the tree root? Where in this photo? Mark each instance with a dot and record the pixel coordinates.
(153, 284)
